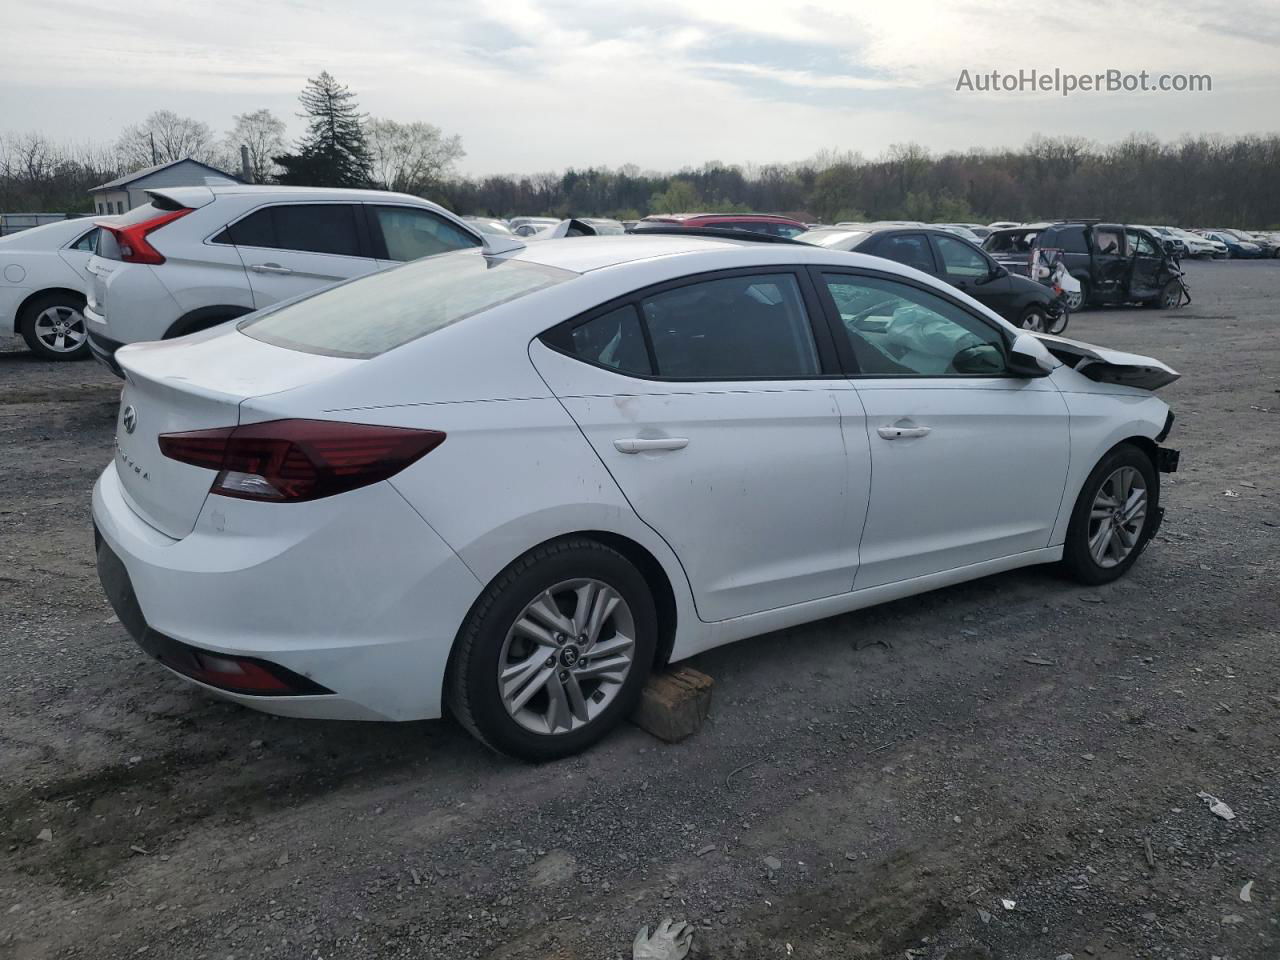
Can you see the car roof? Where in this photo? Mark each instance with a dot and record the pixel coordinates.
(198, 195)
(48, 235)
(748, 217)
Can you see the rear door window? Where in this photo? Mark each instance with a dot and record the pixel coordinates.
(410, 233)
(329, 228)
(732, 328)
(911, 249)
(613, 340)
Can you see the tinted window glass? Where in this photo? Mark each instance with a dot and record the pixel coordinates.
(388, 309)
(1068, 239)
(898, 330)
(960, 260)
(317, 228)
(256, 230)
(911, 249)
(613, 340)
(88, 242)
(735, 328)
(411, 233)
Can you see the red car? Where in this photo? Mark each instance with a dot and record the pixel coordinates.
(755, 222)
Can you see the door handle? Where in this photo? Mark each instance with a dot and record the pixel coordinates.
(269, 268)
(902, 433)
(647, 444)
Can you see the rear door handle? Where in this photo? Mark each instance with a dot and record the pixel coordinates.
(646, 444)
(269, 268)
(902, 433)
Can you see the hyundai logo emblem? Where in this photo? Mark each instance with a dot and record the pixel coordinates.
(130, 419)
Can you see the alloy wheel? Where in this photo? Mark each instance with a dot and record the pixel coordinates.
(1034, 320)
(1117, 517)
(1172, 295)
(1075, 300)
(60, 328)
(566, 656)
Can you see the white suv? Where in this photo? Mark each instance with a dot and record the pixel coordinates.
(195, 257)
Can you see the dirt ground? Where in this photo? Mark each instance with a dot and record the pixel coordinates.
(1005, 769)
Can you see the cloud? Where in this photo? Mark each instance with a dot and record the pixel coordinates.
(542, 84)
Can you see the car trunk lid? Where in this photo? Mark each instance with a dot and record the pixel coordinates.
(1103, 365)
(197, 383)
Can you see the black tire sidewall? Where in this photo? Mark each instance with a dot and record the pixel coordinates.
(496, 611)
(27, 325)
(1075, 554)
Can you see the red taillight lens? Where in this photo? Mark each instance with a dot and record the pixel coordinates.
(287, 461)
(132, 238)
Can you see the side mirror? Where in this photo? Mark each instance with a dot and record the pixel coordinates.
(1029, 358)
(999, 272)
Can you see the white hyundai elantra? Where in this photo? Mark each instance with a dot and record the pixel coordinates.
(510, 482)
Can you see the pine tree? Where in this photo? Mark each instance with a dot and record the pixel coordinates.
(333, 153)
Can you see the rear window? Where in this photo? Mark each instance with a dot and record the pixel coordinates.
(364, 318)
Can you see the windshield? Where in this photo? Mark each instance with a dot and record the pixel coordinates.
(366, 317)
(835, 239)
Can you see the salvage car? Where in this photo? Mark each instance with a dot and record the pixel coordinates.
(750, 222)
(43, 272)
(195, 257)
(509, 482)
(1114, 263)
(944, 254)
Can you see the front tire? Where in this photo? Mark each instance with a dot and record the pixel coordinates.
(1114, 517)
(1170, 295)
(54, 328)
(554, 653)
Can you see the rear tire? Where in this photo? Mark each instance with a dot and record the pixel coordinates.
(1114, 517)
(1079, 301)
(54, 327)
(522, 678)
(1035, 319)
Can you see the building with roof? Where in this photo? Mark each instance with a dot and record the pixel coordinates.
(125, 193)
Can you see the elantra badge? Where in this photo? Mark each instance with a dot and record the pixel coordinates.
(130, 419)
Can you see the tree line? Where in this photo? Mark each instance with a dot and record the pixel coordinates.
(1206, 180)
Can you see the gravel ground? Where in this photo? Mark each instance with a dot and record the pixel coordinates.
(874, 785)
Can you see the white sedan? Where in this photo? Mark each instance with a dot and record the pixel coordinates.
(509, 482)
(42, 280)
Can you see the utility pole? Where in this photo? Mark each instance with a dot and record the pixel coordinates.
(246, 171)
(154, 159)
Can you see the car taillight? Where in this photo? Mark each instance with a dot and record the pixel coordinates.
(132, 238)
(288, 461)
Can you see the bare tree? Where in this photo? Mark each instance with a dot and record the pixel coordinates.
(410, 157)
(163, 137)
(263, 133)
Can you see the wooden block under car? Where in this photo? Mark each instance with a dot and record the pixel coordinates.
(674, 703)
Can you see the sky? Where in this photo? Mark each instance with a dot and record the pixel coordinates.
(540, 85)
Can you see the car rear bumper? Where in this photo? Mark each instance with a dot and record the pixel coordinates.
(355, 606)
